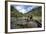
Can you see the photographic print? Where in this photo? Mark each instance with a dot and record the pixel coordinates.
(24, 16)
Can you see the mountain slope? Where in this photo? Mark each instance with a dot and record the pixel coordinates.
(15, 13)
(36, 11)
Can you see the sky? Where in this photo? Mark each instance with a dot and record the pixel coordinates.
(24, 8)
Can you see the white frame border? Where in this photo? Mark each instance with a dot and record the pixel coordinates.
(27, 29)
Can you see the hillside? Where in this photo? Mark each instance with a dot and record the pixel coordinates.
(35, 12)
(15, 13)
